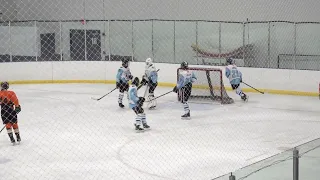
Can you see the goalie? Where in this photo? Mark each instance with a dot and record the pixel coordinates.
(150, 78)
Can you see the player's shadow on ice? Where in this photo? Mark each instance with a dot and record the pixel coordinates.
(4, 160)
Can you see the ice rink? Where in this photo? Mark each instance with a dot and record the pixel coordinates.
(67, 135)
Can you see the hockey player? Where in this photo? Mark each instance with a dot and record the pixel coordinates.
(185, 80)
(150, 78)
(136, 103)
(235, 78)
(10, 107)
(122, 80)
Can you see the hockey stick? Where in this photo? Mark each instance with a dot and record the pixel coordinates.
(2, 128)
(103, 95)
(160, 96)
(253, 88)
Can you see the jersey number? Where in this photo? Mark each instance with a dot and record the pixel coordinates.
(235, 73)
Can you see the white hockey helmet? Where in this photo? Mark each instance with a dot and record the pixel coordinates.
(148, 61)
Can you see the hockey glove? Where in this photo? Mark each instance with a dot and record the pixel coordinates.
(118, 84)
(143, 82)
(18, 109)
(151, 84)
(175, 89)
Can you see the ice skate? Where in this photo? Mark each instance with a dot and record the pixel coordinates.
(18, 137)
(146, 126)
(245, 98)
(121, 105)
(13, 141)
(138, 128)
(186, 116)
(152, 104)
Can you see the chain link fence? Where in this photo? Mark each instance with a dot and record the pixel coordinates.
(83, 31)
(252, 44)
(66, 136)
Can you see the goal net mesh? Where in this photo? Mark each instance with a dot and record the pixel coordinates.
(208, 86)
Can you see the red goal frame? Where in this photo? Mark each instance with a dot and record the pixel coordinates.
(224, 100)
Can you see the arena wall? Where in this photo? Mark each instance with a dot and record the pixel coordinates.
(275, 81)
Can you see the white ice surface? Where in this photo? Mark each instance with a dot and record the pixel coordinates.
(67, 135)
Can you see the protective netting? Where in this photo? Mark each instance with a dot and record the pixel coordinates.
(77, 30)
(67, 135)
(209, 85)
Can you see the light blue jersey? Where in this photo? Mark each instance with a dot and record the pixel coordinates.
(233, 74)
(123, 75)
(133, 97)
(185, 77)
(151, 73)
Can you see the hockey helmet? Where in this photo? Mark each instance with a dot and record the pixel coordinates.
(230, 61)
(148, 61)
(136, 81)
(4, 85)
(125, 63)
(184, 65)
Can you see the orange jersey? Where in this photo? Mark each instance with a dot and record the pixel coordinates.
(9, 98)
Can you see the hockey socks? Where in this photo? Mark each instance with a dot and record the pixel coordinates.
(138, 123)
(16, 132)
(142, 116)
(186, 107)
(186, 111)
(11, 137)
(153, 103)
(141, 121)
(144, 120)
(120, 98)
(240, 93)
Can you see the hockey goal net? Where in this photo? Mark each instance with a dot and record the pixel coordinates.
(209, 85)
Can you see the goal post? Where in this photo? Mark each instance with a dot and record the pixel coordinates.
(208, 86)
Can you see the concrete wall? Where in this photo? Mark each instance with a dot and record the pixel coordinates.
(270, 80)
(224, 10)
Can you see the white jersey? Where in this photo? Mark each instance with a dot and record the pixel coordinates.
(151, 73)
